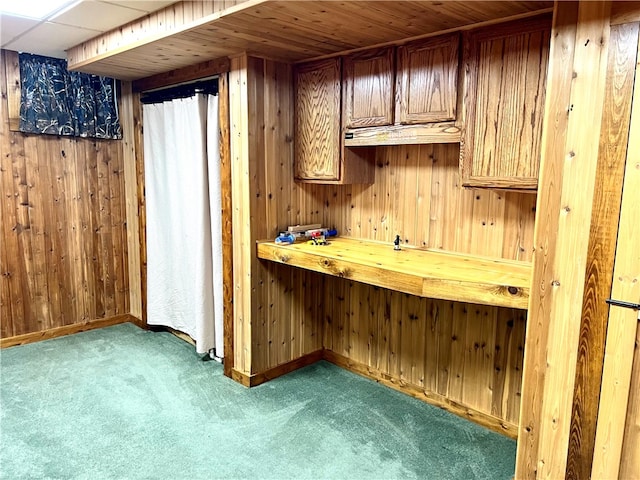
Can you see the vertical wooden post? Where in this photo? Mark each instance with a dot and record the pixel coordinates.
(623, 322)
(241, 217)
(227, 219)
(614, 135)
(131, 194)
(573, 114)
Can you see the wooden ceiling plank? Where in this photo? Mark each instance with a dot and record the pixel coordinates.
(285, 30)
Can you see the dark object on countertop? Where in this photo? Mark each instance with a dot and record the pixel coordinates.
(396, 243)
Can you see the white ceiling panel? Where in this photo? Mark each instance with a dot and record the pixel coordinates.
(11, 27)
(97, 16)
(80, 21)
(51, 39)
(147, 6)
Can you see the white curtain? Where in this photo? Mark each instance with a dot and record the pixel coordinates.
(183, 208)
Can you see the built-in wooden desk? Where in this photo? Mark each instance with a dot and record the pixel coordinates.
(421, 272)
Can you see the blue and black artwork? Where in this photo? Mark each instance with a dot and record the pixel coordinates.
(58, 102)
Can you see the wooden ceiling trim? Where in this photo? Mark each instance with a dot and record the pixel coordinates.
(202, 70)
(285, 30)
(155, 27)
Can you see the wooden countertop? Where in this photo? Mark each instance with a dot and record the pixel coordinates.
(421, 272)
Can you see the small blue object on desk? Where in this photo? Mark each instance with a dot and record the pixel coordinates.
(287, 238)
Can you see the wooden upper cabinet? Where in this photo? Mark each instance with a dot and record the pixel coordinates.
(368, 89)
(427, 80)
(504, 91)
(320, 155)
(317, 128)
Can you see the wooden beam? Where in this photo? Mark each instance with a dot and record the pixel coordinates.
(68, 330)
(13, 89)
(241, 217)
(568, 166)
(227, 221)
(138, 141)
(181, 75)
(602, 245)
(623, 322)
(131, 198)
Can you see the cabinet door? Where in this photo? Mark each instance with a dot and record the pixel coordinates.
(368, 89)
(317, 129)
(505, 78)
(427, 80)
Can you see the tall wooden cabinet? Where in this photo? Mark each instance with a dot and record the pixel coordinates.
(317, 133)
(505, 76)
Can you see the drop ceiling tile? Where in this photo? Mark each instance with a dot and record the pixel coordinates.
(147, 6)
(98, 16)
(52, 39)
(11, 27)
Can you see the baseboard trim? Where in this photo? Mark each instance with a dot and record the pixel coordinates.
(488, 421)
(275, 372)
(69, 329)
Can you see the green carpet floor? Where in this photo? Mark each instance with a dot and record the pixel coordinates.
(124, 403)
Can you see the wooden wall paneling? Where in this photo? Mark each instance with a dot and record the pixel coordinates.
(227, 228)
(423, 172)
(458, 345)
(442, 313)
(479, 357)
(240, 199)
(616, 395)
(33, 213)
(55, 206)
(519, 221)
(137, 121)
(104, 219)
(22, 228)
(398, 311)
(281, 315)
(131, 198)
(257, 195)
(421, 341)
(630, 456)
(429, 335)
(602, 244)
(12, 66)
(569, 157)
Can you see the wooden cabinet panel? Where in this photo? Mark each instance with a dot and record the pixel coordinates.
(505, 77)
(427, 80)
(317, 129)
(320, 154)
(368, 89)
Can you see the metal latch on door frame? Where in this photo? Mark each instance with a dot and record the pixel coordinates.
(620, 303)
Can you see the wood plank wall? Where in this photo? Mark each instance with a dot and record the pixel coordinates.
(471, 355)
(63, 240)
(616, 119)
(416, 194)
(277, 309)
(575, 91)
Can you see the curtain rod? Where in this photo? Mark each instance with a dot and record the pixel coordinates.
(181, 90)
